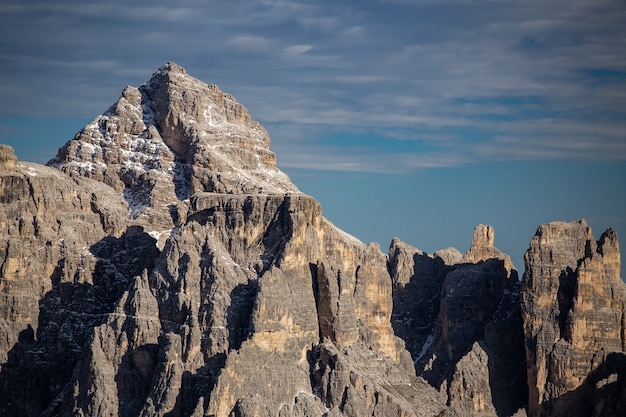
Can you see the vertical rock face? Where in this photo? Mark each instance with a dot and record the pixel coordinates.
(237, 322)
(417, 281)
(459, 316)
(167, 267)
(573, 305)
(482, 249)
(161, 265)
(55, 283)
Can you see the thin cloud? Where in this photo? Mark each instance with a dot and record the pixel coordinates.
(251, 43)
(359, 79)
(363, 160)
(82, 9)
(297, 49)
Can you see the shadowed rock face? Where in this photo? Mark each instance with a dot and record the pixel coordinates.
(54, 284)
(459, 316)
(161, 265)
(573, 305)
(167, 267)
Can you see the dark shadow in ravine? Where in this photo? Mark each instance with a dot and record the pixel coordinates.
(443, 310)
(239, 313)
(41, 363)
(416, 305)
(565, 298)
(504, 344)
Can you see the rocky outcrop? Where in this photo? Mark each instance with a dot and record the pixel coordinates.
(55, 280)
(161, 265)
(417, 281)
(482, 249)
(574, 310)
(237, 321)
(8, 160)
(169, 139)
(356, 381)
(189, 276)
(460, 318)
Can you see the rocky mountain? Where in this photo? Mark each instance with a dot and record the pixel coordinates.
(169, 139)
(574, 310)
(161, 265)
(459, 315)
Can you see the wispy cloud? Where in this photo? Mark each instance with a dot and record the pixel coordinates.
(297, 49)
(247, 43)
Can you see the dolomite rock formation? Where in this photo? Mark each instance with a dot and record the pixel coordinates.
(482, 249)
(228, 326)
(8, 160)
(459, 316)
(574, 310)
(163, 265)
(52, 286)
(171, 138)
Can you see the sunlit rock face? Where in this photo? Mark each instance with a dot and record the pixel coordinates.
(573, 306)
(162, 265)
(170, 138)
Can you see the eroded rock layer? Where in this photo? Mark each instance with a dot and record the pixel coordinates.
(574, 310)
(161, 265)
(459, 315)
(54, 284)
(167, 267)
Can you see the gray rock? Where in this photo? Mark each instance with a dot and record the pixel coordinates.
(462, 324)
(573, 306)
(8, 160)
(169, 139)
(163, 266)
(222, 315)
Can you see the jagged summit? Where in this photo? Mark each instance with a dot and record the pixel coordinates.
(169, 139)
(170, 67)
(482, 249)
(255, 305)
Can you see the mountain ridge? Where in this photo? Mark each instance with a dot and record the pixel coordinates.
(162, 265)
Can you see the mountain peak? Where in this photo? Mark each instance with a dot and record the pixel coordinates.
(482, 249)
(170, 67)
(8, 159)
(483, 236)
(170, 138)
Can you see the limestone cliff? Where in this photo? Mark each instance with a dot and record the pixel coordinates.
(459, 316)
(52, 285)
(168, 139)
(574, 310)
(162, 265)
(167, 267)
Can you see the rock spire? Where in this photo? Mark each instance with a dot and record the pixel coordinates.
(574, 310)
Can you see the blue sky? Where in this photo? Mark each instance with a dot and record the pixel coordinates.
(409, 118)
